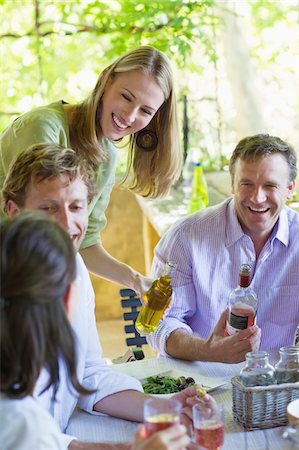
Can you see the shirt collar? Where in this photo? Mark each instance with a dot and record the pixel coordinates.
(234, 230)
(282, 230)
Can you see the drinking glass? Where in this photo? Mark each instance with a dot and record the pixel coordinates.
(160, 413)
(208, 426)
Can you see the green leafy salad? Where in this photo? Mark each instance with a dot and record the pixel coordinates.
(166, 384)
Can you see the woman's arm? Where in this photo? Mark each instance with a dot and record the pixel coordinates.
(101, 263)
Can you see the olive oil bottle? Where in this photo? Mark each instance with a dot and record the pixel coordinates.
(157, 299)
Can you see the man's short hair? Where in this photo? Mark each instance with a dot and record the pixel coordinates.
(45, 161)
(258, 146)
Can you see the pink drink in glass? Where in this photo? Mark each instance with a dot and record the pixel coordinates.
(160, 414)
(208, 426)
(160, 422)
(210, 436)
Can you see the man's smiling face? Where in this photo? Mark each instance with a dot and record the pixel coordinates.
(260, 189)
(64, 201)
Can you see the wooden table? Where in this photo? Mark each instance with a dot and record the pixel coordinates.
(101, 428)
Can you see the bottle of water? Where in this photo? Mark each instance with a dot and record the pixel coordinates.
(287, 368)
(199, 194)
(157, 299)
(257, 371)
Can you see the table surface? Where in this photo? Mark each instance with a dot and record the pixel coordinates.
(95, 428)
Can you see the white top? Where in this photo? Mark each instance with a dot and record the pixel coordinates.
(93, 371)
(25, 425)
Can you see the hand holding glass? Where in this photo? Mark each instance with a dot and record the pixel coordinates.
(160, 414)
(208, 427)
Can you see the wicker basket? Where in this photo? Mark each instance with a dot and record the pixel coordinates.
(262, 406)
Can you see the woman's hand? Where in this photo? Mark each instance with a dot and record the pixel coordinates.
(142, 285)
(187, 397)
(172, 438)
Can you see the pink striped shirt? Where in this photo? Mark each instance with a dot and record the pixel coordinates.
(209, 246)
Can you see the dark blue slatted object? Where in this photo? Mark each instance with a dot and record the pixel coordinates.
(129, 300)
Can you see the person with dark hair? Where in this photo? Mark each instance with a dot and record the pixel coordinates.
(40, 255)
(37, 273)
(57, 181)
(134, 97)
(255, 227)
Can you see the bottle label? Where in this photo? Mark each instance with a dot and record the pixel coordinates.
(240, 318)
(239, 322)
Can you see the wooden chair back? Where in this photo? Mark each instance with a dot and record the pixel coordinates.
(131, 304)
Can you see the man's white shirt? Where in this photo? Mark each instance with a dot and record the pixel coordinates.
(92, 369)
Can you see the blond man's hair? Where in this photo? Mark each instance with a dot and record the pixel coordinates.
(40, 162)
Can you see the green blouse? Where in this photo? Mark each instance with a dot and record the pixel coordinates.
(49, 124)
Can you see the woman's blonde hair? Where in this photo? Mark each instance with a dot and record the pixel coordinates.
(148, 173)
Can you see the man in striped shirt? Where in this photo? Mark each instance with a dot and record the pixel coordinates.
(255, 227)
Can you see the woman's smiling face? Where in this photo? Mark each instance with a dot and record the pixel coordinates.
(260, 190)
(129, 103)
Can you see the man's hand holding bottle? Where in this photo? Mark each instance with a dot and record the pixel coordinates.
(232, 349)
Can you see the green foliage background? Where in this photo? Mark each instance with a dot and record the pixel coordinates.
(44, 44)
(56, 49)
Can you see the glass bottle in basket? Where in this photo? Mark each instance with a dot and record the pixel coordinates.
(287, 368)
(242, 304)
(157, 299)
(257, 371)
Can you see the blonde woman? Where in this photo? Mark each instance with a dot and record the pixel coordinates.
(134, 97)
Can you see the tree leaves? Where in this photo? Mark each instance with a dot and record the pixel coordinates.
(45, 45)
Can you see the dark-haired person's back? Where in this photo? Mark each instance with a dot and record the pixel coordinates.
(38, 271)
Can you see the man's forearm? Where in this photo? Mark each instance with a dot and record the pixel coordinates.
(183, 345)
(218, 347)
